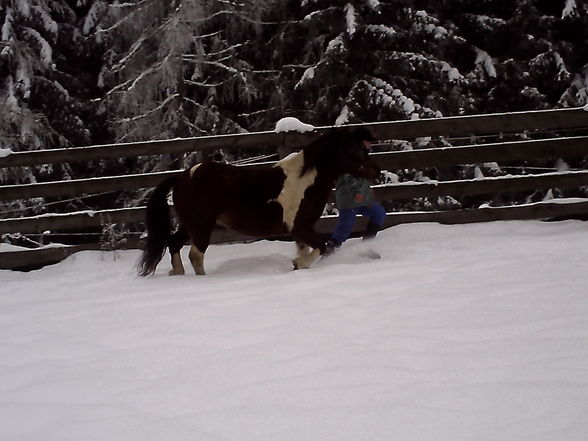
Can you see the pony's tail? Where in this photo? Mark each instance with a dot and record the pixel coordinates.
(158, 228)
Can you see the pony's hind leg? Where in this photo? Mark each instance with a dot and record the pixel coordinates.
(197, 259)
(200, 240)
(175, 243)
(177, 265)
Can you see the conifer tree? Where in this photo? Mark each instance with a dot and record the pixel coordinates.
(28, 35)
(372, 60)
(45, 99)
(170, 68)
(74, 72)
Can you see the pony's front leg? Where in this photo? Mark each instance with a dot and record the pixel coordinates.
(304, 262)
(302, 249)
(305, 257)
(197, 259)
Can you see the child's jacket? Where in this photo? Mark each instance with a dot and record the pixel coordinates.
(352, 192)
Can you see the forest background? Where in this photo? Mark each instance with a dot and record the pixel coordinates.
(86, 72)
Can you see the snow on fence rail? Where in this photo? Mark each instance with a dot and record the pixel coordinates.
(515, 122)
(477, 125)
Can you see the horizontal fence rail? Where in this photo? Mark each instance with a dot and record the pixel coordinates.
(30, 259)
(559, 120)
(91, 219)
(488, 185)
(440, 157)
(504, 152)
(514, 122)
(131, 150)
(538, 210)
(83, 186)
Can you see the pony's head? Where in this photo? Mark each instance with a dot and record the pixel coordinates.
(355, 155)
(342, 151)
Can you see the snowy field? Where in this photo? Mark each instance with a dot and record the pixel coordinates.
(475, 332)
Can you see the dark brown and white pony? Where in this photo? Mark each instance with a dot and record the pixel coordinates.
(284, 199)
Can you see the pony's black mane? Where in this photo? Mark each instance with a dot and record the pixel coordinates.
(315, 151)
(320, 151)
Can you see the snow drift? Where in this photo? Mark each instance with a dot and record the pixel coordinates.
(473, 332)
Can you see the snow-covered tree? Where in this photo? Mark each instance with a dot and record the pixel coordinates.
(173, 65)
(28, 34)
(407, 59)
(44, 60)
(45, 99)
(75, 72)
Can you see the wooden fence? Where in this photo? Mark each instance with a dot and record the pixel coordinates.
(573, 123)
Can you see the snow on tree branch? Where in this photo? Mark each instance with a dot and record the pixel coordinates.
(336, 48)
(132, 51)
(227, 50)
(569, 9)
(316, 15)
(551, 58)
(23, 7)
(485, 22)
(425, 22)
(374, 5)
(233, 14)
(44, 48)
(97, 10)
(150, 112)
(220, 65)
(381, 31)
(350, 19)
(577, 93)
(137, 9)
(378, 93)
(7, 29)
(307, 76)
(49, 24)
(344, 116)
(206, 84)
(453, 74)
(484, 62)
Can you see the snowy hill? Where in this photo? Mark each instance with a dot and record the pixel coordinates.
(474, 332)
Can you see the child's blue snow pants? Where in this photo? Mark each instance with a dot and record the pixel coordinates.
(375, 212)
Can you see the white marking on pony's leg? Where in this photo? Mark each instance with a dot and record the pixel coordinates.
(294, 186)
(302, 250)
(197, 259)
(303, 262)
(177, 265)
(193, 169)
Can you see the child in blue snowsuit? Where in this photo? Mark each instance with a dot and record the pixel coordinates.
(354, 196)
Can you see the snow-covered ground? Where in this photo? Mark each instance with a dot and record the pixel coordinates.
(475, 332)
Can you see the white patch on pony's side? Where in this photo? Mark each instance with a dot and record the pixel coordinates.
(294, 186)
(193, 169)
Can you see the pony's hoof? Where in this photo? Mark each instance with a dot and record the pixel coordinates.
(295, 266)
(304, 262)
(175, 273)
